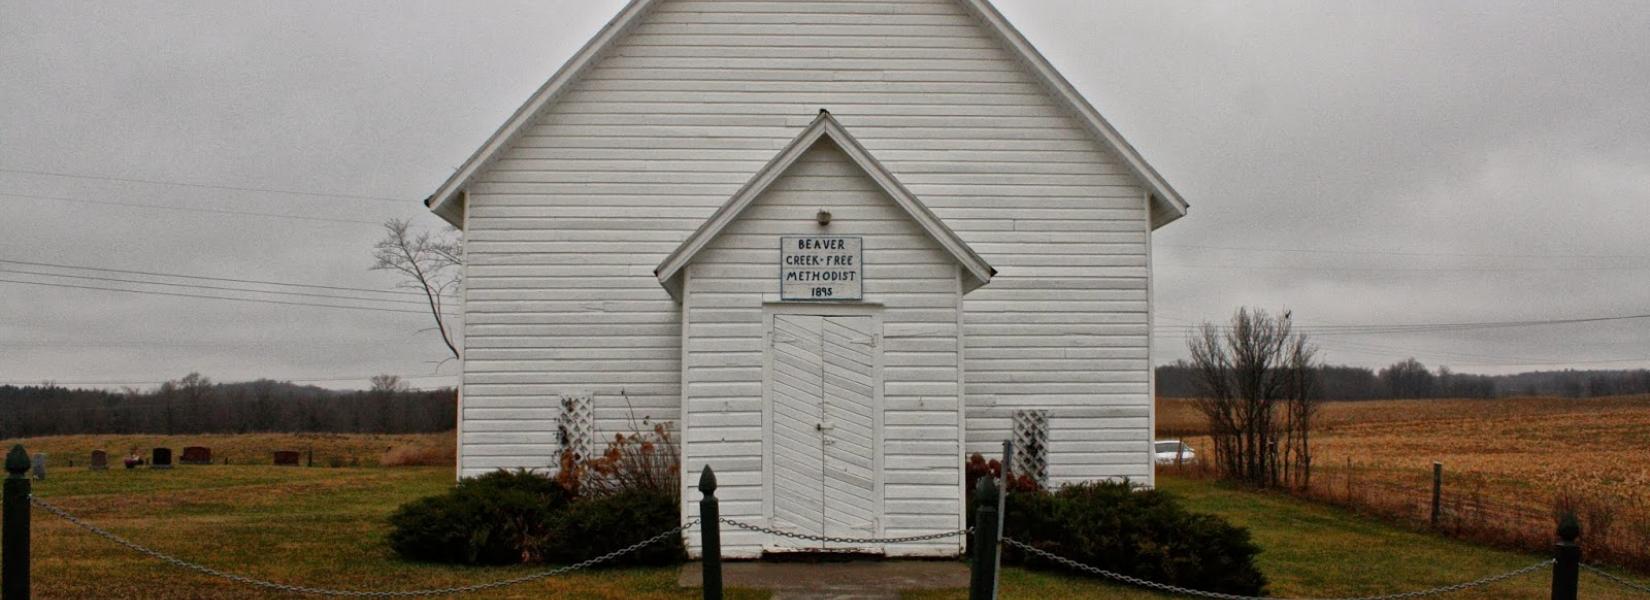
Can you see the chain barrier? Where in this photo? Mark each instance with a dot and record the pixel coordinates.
(846, 540)
(1162, 587)
(314, 591)
(1618, 580)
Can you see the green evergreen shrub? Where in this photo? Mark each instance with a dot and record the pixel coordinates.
(503, 517)
(591, 527)
(1143, 533)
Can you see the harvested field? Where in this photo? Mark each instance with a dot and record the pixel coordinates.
(1508, 464)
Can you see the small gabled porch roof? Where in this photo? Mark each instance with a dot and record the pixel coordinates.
(976, 272)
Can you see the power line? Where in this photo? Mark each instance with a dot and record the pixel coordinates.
(209, 287)
(210, 278)
(221, 211)
(1447, 358)
(10, 345)
(275, 379)
(1375, 328)
(1397, 252)
(1398, 270)
(209, 186)
(206, 297)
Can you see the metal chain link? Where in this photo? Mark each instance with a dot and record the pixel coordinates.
(846, 540)
(1618, 580)
(314, 591)
(1220, 596)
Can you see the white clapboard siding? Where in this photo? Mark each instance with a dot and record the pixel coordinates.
(564, 230)
(916, 283)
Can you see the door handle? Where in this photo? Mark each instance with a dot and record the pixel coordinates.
(824, 427)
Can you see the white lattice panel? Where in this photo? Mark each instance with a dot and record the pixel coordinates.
(576, 428)
(1031, 444)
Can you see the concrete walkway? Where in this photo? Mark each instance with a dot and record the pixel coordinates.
(858, 580)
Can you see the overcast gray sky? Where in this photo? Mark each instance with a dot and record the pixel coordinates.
(1357, 163)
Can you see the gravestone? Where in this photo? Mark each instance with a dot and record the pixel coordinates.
(286, 458)
(162, 459)
(100, 460)
(196, 455)
(133, 461)
(40, 465)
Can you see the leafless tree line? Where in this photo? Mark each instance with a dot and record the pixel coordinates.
(194, 404)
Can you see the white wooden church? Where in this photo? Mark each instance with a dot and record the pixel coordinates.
(841, 243)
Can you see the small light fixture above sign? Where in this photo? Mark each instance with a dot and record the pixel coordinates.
(824, 217)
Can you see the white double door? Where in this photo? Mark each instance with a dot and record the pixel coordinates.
(823, 387)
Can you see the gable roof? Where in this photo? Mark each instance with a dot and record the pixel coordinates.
(1166, 203)
(975, 270)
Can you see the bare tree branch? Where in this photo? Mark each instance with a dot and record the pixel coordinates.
(430, 264)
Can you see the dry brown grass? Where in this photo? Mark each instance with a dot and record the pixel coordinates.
(1509, 464)
(330, 449)
(420, 455)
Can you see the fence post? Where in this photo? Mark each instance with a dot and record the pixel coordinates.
(1437, 491)
(710, 528)
(1567, 564)
(983, 583)
(14, 539)
(1002, 508)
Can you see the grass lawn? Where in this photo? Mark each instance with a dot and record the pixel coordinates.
(308, 526)
(1315, 551)
(325, 527)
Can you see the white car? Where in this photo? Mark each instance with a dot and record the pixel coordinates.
(1173, 451)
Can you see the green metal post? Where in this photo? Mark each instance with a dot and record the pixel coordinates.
(710, 527)
(983, 584)
(1567, 568)
(14, 531)
(1002, 508)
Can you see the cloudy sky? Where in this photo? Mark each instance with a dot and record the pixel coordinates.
(1369, 166)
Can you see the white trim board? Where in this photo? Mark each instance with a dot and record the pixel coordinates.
(447, 203)
(823, 127)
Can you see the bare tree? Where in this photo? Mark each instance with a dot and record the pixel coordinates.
(1246, 373)
(387, 383)
(428, 263)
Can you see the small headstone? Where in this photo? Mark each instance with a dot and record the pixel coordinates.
(133, 461)
(196, 455)
(287, 458)
(40, 465)
(162, 459)
(100, 460)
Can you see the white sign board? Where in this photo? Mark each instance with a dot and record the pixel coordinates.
(820, 268)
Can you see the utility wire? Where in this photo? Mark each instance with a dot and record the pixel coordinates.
(206, 297)
(210, 278)
(1425, 327)
(221, 211)
(1396, 270)
(275, 379)
(210, 287)
(1398, 252)
(208, 186)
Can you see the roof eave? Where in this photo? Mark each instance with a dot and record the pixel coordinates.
(444, 202)
(1163, 194)
(669, 271)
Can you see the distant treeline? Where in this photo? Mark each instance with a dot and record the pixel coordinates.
(1411, 379)
(195, 404)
